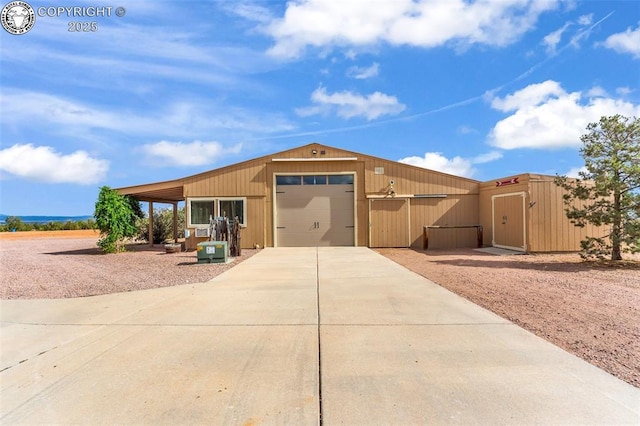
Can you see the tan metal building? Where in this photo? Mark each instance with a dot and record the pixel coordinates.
(317, 195)
(526, 212)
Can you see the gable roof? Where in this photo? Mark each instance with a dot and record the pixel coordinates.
(172, 191)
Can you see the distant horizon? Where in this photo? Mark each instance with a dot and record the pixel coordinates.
(45, 218)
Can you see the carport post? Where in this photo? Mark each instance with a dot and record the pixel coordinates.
(175, 222)
(151, 223)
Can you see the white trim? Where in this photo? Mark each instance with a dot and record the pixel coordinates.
(355, 200)
(188, 212)
(409, 222)
(387, 197)
(523, 194)
(216, 209)
(275, 212)
(430, 195)
(355, 209)
(370, 223)
(316, 159)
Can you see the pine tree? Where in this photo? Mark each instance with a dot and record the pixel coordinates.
(608, 191)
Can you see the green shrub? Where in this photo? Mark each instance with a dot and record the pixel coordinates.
(116, 217)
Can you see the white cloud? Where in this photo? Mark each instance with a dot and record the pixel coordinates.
(584, 27)
(250, 11)
(552, 39)
(466, 130)
(180, 119)
(585, 20)
(349, 104)
(44, 164)
(487, 157)
(456, 166)
(596, 92)
(351, 54)
(40, 107)
(623, 91)
(361, 73)
(575, 172)
(533, 94)
(436, 161)
(546, 116)
(423, 23)
(626, 42)
(196, 153)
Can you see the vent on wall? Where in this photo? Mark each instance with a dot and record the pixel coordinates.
(202, 232)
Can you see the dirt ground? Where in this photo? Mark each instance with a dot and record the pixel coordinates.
(61, 264)
(32, 235)
(592, 311)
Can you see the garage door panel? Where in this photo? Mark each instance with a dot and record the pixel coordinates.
(315, 215)
(337, 236)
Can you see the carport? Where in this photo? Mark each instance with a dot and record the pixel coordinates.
(170, 192)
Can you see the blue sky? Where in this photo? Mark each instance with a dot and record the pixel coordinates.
(483, 89)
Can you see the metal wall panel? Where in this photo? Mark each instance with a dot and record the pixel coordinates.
(450, 211)
(389, 222)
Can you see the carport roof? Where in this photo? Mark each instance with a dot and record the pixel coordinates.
(159, 192)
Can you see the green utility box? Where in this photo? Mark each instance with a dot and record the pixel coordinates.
(212, 252)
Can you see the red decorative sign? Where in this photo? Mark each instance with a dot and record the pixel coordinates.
(508, 181)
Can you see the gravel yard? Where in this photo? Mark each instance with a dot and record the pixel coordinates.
(591, 311)
(38, 265)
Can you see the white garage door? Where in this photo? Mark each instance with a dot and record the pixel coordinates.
(314, 210)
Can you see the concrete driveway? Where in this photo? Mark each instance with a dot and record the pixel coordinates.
(293, 336)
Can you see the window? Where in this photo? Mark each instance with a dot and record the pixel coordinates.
(200, 211)
(232, 208)
(340, 179)
(288, 180)
(314, 180)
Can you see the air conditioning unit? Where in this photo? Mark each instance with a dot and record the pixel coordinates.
(202, 232)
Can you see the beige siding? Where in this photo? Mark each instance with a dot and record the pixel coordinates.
(253, 234)
(451, 211)
(389, 222)
(244, 179)
(549, 227)
(408, 179)
(412, 180)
